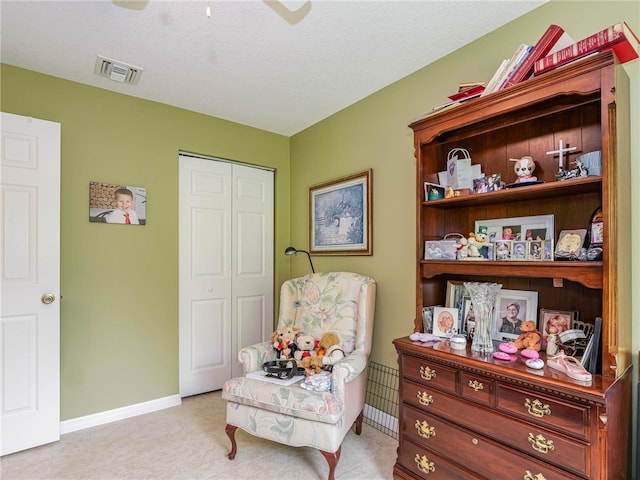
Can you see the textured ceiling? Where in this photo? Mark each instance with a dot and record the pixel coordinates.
(277, 66)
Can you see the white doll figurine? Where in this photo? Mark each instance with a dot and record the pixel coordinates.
(552, 344)
(524, 168)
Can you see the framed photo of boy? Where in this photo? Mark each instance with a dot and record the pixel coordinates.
(117, 203)
(513, 307)
(340, 216)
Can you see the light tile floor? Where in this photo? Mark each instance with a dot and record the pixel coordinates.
(189, 442)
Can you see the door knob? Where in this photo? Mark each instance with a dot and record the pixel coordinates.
(48, 298)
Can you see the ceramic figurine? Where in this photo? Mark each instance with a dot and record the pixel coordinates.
(524, 168)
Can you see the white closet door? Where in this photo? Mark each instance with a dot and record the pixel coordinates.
(226, 267)
(252, 279)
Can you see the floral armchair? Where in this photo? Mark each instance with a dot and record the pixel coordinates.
(339, 302)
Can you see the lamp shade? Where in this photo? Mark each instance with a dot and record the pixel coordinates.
(294, 251)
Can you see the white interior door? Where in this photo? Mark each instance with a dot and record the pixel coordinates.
(225, 244)
(30, 277)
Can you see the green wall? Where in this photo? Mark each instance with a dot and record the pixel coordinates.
(119, 285)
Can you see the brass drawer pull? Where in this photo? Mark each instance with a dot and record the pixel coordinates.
(476, 385)
(424, 465)
(537, 408)
(424, 398)
(427, 374)
(530, 476)
(540, 444)
(424, 429)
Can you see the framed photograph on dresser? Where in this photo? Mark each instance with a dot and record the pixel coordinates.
(513, 307)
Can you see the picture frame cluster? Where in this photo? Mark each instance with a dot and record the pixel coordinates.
(512, 307)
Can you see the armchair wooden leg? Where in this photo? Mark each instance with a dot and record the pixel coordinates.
(332, 460)
(231, 433)
(358, 423)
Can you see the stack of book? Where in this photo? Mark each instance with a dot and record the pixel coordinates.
(507, 69)
(618, 38)
(466, 91)
(556, 48)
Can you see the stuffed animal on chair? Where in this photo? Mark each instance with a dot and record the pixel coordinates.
(305, 347)
(330, 343)
(283, 341)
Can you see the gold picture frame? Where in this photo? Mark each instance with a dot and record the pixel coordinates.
(340, 216)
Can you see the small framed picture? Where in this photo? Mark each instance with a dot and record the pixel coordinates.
(467, 318)
(440, 250)
(445, 321)
(502, 249)
(569, 243)
(519, 250)
(556, 321)
(511, 309)
(490, 183)
(433, 191)
(427, 319)
(547, 250)
(534, 250)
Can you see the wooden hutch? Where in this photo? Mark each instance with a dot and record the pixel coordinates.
(466, 415)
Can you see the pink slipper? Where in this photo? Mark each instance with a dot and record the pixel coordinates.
(569, 366)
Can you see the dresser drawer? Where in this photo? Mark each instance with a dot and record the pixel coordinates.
(485, 457)
(429, 399)
(530, 438)
(477, 388)
(429, 373)
(558, 415)
(423, 463)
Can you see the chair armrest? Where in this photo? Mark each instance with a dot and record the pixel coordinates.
(253, 356)
(347, 369)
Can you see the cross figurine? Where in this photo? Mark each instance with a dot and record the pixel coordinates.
(560, 152)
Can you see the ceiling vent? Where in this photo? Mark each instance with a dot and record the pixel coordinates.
(117, 71)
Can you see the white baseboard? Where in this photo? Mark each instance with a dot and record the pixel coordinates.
(381, 417)
(114, 415)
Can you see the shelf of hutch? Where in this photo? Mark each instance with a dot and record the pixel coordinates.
(494, 419)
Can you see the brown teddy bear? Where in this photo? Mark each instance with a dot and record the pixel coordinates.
(529, 338)
(328, 353)
(312, 365)
(333, 352)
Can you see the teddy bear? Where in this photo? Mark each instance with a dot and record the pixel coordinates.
(328, 352)
(331, 350)
(283, 341)
(312, 365)
(306, 346)
(530, 338)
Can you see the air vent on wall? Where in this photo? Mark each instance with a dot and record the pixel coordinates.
(117, 71)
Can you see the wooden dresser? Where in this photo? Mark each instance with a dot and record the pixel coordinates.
(465, 416)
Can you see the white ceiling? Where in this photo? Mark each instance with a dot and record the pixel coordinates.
(277, 66)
